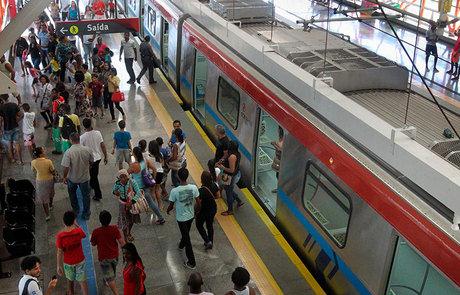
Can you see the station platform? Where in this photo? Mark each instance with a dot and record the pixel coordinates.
(248, 238)
(377, 36)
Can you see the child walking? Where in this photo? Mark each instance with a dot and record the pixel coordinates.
(96, 88)
(34, 73)
(28, 128)
(122, 145)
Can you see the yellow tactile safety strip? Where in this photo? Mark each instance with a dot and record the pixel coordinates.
(264, 217)
(171, 89)
(243, 247)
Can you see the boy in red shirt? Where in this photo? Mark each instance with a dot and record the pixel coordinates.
(96, 94)
(70, 257)
(107, 238)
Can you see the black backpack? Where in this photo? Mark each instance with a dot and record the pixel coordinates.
(68, 127)
(26, 286)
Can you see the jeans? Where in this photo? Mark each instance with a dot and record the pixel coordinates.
(62, 72)
(44, 59)
(47, 116)
(184, 227)
(129, 68)
(94, 181)
(108, 103)
(87, 50)
(152, 204)
(175, 178)
(230, 193)
(147, 65)
(84, 189)
(36, 62)
(207, 217)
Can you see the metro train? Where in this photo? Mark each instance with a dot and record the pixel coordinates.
(347, 217)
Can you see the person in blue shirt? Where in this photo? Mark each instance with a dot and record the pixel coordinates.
(176, 125)
(183, 197)
(122, 145)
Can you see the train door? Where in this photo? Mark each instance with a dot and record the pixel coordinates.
(164, 43)
(199, 85)
(270, 137)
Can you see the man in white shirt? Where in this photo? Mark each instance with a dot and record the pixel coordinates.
(94, 141)
(28, 284)
(129, 47)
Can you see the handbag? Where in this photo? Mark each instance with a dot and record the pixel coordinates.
(141, 205)
(118, 96)
(147, 178)
(227, 179)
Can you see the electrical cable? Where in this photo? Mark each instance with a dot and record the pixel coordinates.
(412, 71)
(416, 68)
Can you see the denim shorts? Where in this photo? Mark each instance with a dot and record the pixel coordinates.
(11, 135)
(122, 155)
(109, 269)
(75, 272)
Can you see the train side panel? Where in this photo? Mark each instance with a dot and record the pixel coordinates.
(227, 105)
(343, 239)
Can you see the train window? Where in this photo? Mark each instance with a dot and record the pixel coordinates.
(328, 205)
(151, 20)
(412, 274)
(228, 102)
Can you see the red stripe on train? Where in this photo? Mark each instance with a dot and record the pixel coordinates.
(436, 245)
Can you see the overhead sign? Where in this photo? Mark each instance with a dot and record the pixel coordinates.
(101, 26)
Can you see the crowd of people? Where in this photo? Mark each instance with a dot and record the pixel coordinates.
(72, 90)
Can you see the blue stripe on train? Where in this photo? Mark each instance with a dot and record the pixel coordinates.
(325, 247)
(186, 83)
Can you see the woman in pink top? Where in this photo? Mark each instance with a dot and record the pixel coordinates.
(454, 58)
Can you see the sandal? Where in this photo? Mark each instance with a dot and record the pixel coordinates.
(226, 213)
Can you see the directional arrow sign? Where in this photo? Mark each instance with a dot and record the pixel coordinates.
(101, 26)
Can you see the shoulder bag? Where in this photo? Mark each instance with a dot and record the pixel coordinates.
(141, 205)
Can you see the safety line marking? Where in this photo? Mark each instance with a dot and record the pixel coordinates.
(171, 89)
(240, 242)
(267, 221)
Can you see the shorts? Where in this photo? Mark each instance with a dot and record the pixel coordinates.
(109, 269)
(75, 272)
(122, 155)
(11, 135)
(96, 102)
(28, 139)
(431, 49)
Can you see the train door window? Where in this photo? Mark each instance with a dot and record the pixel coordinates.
(411, 274)
(270, 140)
(228, 102)
(151, 20)
(328, 205)
(200, 80)
(164, 45)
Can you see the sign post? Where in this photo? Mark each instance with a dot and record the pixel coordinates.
(102, 26)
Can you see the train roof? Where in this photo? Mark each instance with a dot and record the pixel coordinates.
(342, 107)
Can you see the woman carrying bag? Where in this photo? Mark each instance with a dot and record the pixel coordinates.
(127, 193)
(230, 176)
(116, 95)
(139, 171)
